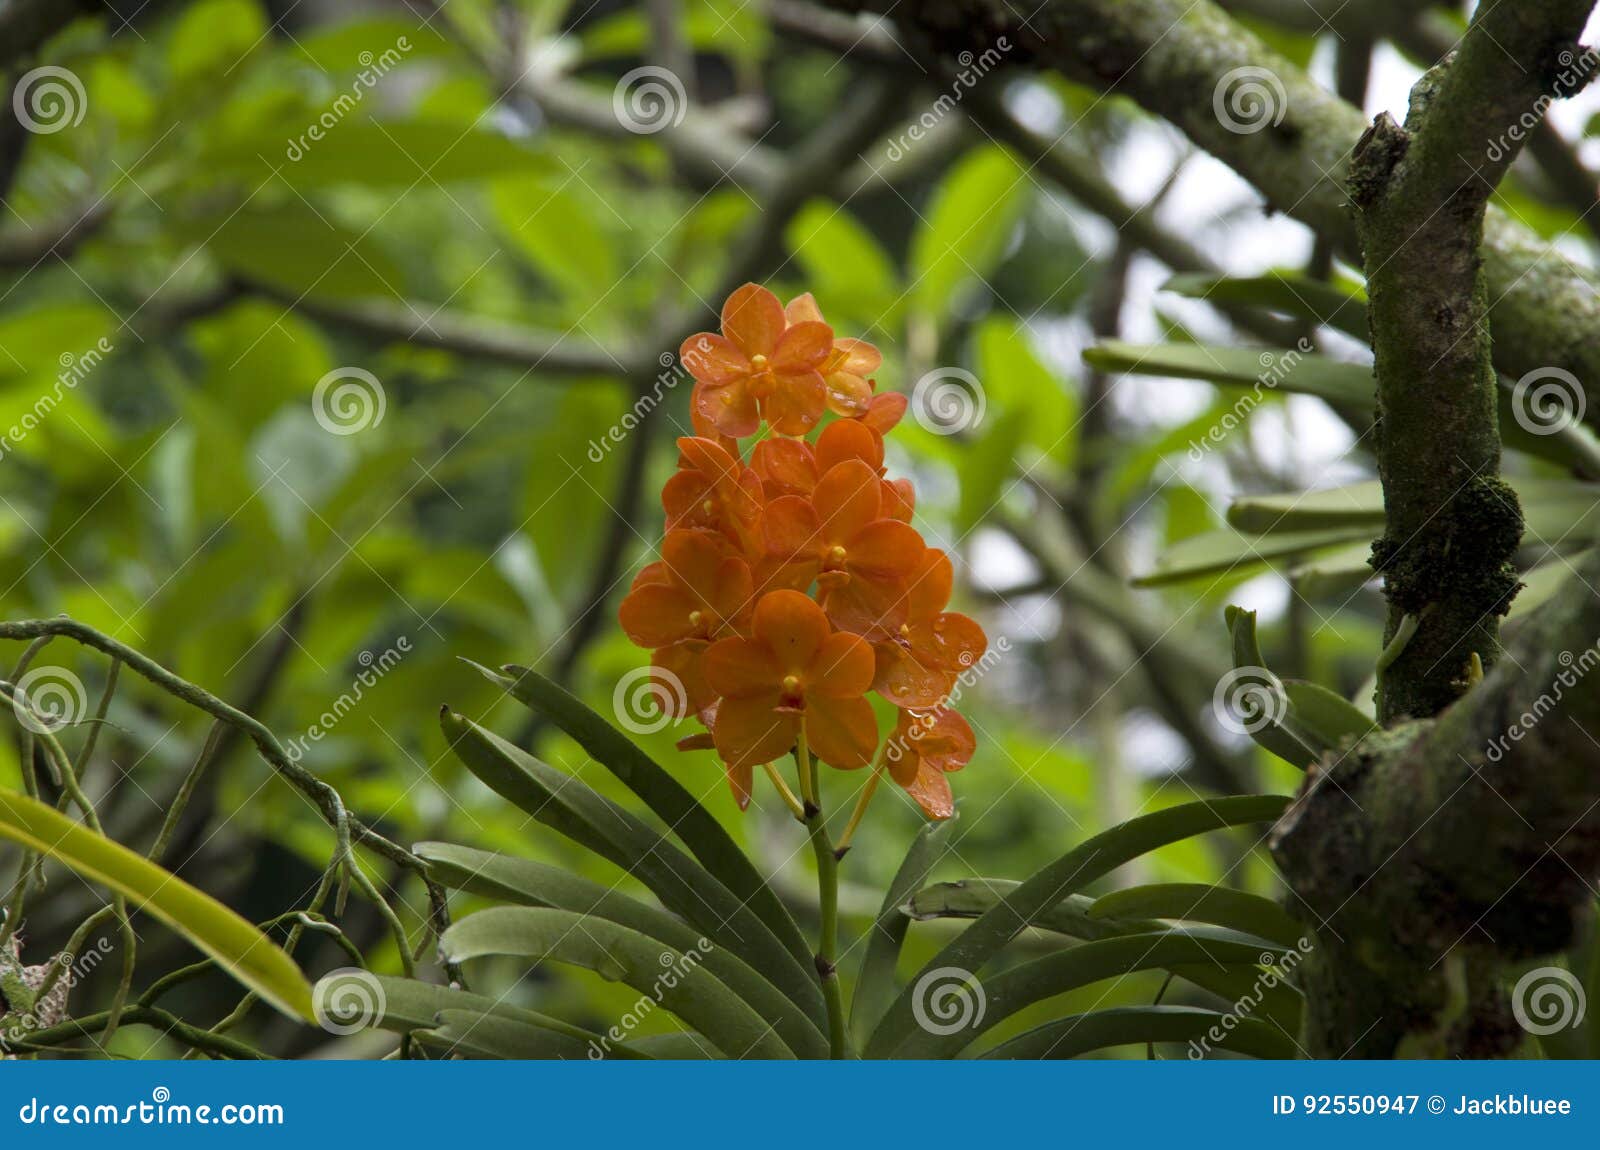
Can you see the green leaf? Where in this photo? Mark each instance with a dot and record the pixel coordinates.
(875, 985)
(844, 265)
(1339, 306)
(1228, 551)
(973, 897)
(679, 982)
(247, 954)
(535, 884)
(1347, 385)
(476, 1034)
(967, 227)
(558, 225)
(1198, 902)
(1020, 987)
(573, 809)
(1076, 1034)
(1070, 873)
(695, 826)
(213, 37)
(297, 250)
(1357, 506)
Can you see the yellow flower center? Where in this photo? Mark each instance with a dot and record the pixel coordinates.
(791, 684)
(694, 618)
(758, 362)
(836, 556)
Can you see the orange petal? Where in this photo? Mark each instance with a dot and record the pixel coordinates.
(780, 573)
(843, 667)
(860, 357)
(693, 558)
(792, 627)
(886, 410)
(899, 500)
(730, 593)
(803, 347)
(842, 732)
(931, 584)
(751, 731)
(848, 395)
(713, 359)
(731, 409)
(656, 614)
(803, 309)
(931, 790)
(907, 680)
(786, 466)
(791, 528)
(869, 607)
(753, 319)
(885, 547)
(740, 780)
(947, 742)
(704, 429)
(797, 402)
(710, 457)
(847, 499)
(651, 573)
(739, 668)
(685, 661)
(848, 439)
(955, 640)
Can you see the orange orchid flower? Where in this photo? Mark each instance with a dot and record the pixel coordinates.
(760, 368)
(714, 490)
(925, 746)
(918, 665)
(697, 593)
(791, 466)
(885, 411)
(840, 538)
(847, 372)
(793, 668)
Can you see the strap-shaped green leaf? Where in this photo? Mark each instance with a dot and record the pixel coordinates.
(668, 978)
(528, 883)
(476, 1034)
(695, 826)
(238, 947)
(1198, 902)
(994, 999)
(572, 808)
(1076, 1034)
(1341, 307)
(1067, 874)
(875, 986)
(405, 1005)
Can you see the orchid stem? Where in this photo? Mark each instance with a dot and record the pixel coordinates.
(827, 901)
(870, 789)
(785, 793)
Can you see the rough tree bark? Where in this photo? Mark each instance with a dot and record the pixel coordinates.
(1465, 833)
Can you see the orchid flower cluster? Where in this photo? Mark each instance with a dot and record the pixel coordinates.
(791, 584)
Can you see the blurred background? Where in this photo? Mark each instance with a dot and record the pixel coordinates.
(337, 345)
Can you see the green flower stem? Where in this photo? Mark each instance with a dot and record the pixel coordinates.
(827, 901)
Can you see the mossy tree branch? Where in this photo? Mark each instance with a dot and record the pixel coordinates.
(1420, 193)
